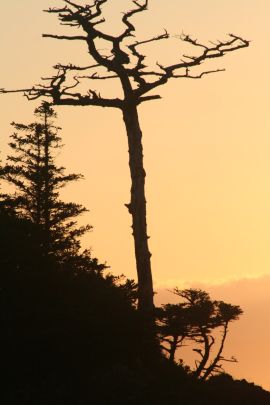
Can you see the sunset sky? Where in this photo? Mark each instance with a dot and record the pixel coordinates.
(206, 148)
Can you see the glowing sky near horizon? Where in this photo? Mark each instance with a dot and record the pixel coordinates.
(206, 143)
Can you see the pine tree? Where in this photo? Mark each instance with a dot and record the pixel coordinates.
(122, 59)
(32, 170)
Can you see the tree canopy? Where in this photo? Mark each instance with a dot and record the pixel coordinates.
(32, 170)
(194, 321)
(125, 62)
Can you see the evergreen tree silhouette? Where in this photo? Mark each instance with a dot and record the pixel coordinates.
(122, 59)
(32, 169)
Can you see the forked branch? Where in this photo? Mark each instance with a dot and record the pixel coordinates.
(217, 50)
(125, 61)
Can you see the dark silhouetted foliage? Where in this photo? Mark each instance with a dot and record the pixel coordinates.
(194, 321)
(73, 335)
(121, 59)
(58, 325)
(173, 327)
(31, 168)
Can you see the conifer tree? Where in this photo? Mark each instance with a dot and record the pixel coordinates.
(121, 58)
(32, 169)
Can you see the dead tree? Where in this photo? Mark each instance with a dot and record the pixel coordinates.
(124, 62)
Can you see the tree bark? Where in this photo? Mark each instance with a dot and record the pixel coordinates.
(214, 363)
(137, 208)
(173, 349)
(205, 356)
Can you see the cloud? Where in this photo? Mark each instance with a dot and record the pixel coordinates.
(248, 289)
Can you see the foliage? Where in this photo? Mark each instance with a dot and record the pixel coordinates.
(121, 58)
(195, 320)
(70, 334)
(172, 327)
(60, 324)
(32, 170)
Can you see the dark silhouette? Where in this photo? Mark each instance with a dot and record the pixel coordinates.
(173, 327)
(123, 61)
(74, 337)
(71, 334)
(225, 313)
(195, 321)
(60, 327)
(31, 168)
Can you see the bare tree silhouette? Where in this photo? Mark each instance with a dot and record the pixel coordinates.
(124, 62)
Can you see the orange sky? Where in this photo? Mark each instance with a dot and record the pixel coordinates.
(206, 143)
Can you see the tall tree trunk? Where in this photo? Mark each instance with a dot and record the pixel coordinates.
(137, 208)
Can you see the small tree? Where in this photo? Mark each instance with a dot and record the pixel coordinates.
(196, 320)
(37, 180)
(124, 62)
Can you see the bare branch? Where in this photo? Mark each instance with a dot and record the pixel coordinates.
(199, 351)
(216, 51)
(145, 80)
(199, 76)
(82, 16)
(149, 98)
(73, 5)
(187, 38)
(98, 4)
(61, 96)
(212, 341)
(5, 91)
(69, 38)
(77, 82)
(95, 76)
(133, 47)
(88, 101)
(128, 15)
(102, 20)
(231, 360)
(59, 66)
(56, 10)
(140, 57)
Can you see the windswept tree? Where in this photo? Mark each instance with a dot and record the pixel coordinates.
(204, 318)
(31, 168)
(196, 321)
(123, 60)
